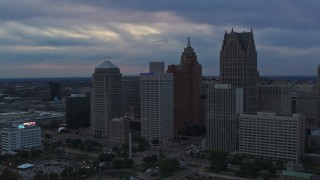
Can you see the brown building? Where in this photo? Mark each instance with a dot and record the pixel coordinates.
(238, 66)
(187, 83)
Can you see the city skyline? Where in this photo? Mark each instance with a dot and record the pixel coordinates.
(67, 39)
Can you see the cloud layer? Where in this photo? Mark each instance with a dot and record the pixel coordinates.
(56, 38)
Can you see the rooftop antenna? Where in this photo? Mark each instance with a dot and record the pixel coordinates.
(189, 45)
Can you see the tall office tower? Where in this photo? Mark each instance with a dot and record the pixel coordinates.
(238, 66)
(306, 103)
(318, 96)
(157, 106)
(19, 135)
(224, 105)
(267, 135)
(131, 96)
(77, 111)
(156, 67)
(187, 85)
(55, 91)
(106, 97)
(275, 97)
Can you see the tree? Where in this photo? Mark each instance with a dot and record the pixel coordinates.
(48, 136)
(155, 141)
(168, 166)
(127, 163)
(218, 165)
(117, 163)
(150, 159)
(8, 174)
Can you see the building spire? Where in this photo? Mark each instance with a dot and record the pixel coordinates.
(189, 44)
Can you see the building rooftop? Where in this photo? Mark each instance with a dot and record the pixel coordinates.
(107, 65)
(296, 174)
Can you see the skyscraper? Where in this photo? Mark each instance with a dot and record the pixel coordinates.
(131, 95)
(106, 97)
(318, 93)
(224, 105)
(55, 91)
(156, 106)
(238, 66)
(187, 84)
(156, 67)
(275, 97)
(77, 111)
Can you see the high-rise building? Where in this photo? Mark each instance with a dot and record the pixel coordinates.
(238, 66)
(131, 96)
(304, 97)
(224, 105)
(20, 135)
(157, 106)
(156, 67)
(106, 97)
(275, 97)
(55, 91)
(187, 85)
(267, 135)
(77, 111)
(318, 96)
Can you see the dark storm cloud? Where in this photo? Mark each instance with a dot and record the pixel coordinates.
(37, 37)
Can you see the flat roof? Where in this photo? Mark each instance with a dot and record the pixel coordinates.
(25, 166)
(296, 174)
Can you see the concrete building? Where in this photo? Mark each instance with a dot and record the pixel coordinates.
(156, 67)
(224, 105)
(267, 135)
(106, 97)
(77, 111)
(119, 130)
(238, 66)
(275, 97)
(20, 135)
(305, 96)
(314, 142)
(131, 96)
(187, 86)
(157, 106)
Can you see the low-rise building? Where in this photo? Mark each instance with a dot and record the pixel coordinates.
(119, 130)
(267, 135)
(20, 135)
(293, 175)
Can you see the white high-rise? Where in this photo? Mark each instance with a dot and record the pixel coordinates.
(106, 97)
(224, 104)
(157, 106)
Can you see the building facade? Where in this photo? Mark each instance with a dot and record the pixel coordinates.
(224, 105)
(238, 66)
(77, 111)
(55, 91)
(275, 98)
(157, 106)
(131, 96)
(267, 135)
(156, 67)
(187, 87)
(106, 97)
(119, 130)
(17, 136)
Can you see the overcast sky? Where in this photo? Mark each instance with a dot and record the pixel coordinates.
(59, 38)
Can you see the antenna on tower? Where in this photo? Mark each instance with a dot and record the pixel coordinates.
(189, 44)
